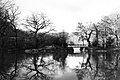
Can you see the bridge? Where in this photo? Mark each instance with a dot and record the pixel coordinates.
(77, 45)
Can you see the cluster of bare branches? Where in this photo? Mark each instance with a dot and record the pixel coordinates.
(37, 22)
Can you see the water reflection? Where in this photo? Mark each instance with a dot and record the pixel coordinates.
(39, 67)
(52, 68)
(74, 61)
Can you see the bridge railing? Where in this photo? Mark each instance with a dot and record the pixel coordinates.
(77, 45)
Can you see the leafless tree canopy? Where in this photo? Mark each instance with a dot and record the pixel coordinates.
(37, 22)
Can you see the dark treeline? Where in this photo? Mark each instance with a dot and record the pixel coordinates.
(12, 37)
(53, 39)
(26, 39)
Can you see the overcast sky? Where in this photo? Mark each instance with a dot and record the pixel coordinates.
(65, 14)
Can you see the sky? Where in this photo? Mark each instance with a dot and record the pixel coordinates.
(65, 14)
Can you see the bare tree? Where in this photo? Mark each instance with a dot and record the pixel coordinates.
(84, 32)
(37, 22)
(8, 19)
(12, 18)
(113, 25)
(3, 27)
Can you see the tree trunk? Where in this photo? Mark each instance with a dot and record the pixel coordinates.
(89, 43)
(2, 55)
(97, 32)
(117, 40)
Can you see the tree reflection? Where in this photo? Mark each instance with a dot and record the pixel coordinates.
(34, 68)
(60, 55)
(39, 68)
(9, 68)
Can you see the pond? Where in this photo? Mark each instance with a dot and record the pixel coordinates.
(22, 66)
(54, 70)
